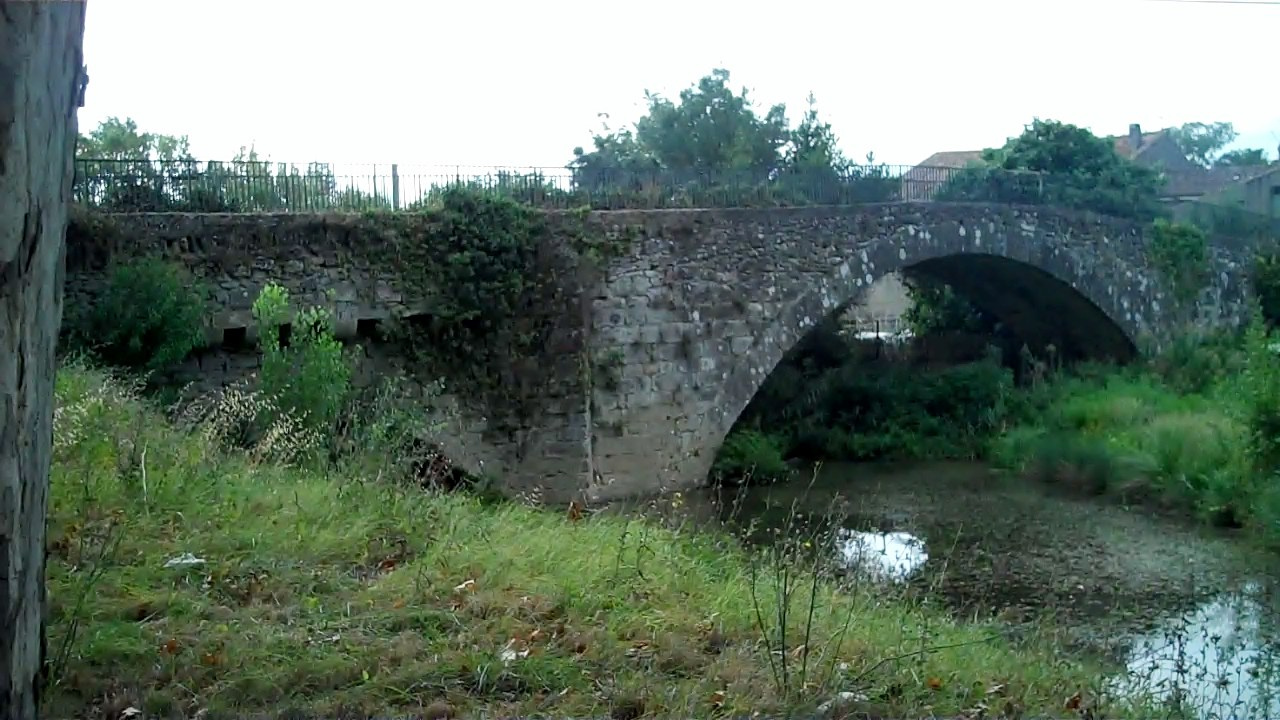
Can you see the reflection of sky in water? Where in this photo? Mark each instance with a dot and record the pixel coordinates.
(892, 556)
(1217, 659)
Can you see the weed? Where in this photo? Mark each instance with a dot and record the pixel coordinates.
(242, 584)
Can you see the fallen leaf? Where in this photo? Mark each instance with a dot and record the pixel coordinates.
(535, 635)
(171, 646)
(935, 683)
(575, 511)
(211, 659)
(398, 604)
(717, 698)
(1073, 702)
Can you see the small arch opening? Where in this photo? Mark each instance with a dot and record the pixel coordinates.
(368, 328)
(234, 339)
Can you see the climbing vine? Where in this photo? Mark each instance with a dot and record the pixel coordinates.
(485, 265)
(1181, 253)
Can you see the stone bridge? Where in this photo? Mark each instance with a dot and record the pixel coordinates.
(666, 341)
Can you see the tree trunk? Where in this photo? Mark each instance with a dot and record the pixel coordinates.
(41, 80)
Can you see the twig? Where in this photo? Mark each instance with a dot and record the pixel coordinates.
(142, 463)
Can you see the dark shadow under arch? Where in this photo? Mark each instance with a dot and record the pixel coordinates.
(1038, 307)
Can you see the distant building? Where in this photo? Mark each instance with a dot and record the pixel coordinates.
(1253, 188)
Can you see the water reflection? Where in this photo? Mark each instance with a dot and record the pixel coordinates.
(891, 556)
(1118, 579)
(1218, 660)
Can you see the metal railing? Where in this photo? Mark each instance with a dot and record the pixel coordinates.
(197, 186)
(254, 186)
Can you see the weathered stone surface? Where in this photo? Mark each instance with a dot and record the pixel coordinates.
(40, 84)
(738, 288)
(678, 330)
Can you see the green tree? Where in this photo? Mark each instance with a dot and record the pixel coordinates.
(1203, 142)
(1057, 163)
(712, 130)
(713, 145)
(814, 167)
(1265, 278)
(937, 308)
(123, 168)
(149, 316)
(116, 139)
(1242, 158)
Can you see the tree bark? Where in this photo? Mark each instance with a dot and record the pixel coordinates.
(41, 79)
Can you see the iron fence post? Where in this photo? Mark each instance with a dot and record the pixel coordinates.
(395, 186)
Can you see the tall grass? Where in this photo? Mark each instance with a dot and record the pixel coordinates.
(189, 577)
(1190, 431)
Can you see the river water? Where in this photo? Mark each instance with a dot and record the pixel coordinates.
(1183, 612)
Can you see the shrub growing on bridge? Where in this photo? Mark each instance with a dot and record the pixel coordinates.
(148, 316)
(1181, 252)
(311, 375)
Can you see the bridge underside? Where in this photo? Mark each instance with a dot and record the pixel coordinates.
(1038, 308)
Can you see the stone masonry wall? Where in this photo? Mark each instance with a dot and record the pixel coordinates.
(704, 304)
(328, 261)
(669, 334)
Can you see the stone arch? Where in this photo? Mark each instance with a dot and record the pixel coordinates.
(704, 303)
(802, 316)
(1028, 276)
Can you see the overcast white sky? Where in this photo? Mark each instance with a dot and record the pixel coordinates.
(521, 83)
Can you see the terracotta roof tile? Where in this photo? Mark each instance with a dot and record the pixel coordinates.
(1124, 149)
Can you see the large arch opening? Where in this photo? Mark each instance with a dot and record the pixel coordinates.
(1027, 311)
(867, 467)
(1038, 309)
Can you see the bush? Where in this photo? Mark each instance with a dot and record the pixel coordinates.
(148, 316)
(862, 412)
(311, 376)
(750, 456)
(1195, 364)
(1181, 252)
(1133, 435)
(1265, 278)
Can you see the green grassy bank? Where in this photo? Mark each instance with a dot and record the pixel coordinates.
(329, 590)
(1195, 430)
(1140, 438)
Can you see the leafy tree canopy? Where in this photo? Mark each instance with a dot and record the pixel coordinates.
(711, 129)
(1242, 158)
(1205, 145)
(1202, 142)
(116, 139)
(718, 134)
(1079, 169)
